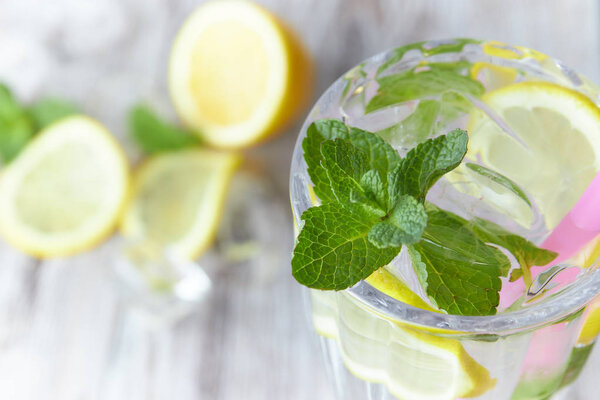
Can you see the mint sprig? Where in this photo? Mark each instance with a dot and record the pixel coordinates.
(373, 204)
(371, 201)
(153, 135)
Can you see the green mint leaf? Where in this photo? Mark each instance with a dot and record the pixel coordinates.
(333, 251)
(16, 127)
(462, 272)
(412, 85)
(154, 135)
(345, 166)
(453, 105)
(426, 163)
(380, 155)
(452, 46)
(499, 179)
(316, 134)
(405, 225)
(526, 253)
(415, 128)
(374, 187)
(47, 111)
(420, 269)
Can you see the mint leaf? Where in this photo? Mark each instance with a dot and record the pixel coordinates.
(426, 163)
(16, 128)
(154, 135)
(415, 128)
(345, 165)
(526, 253)
(317, 133)
(333, 251)
(453, 105)
(374, 187)
(412, 85)
(404, 226)
(452, 46)
(45, 112)
(500, 180)
(463, 273)
(380, 156)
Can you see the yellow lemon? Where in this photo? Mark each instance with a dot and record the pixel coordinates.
(177, 199)
(237, 74)
(63, 194)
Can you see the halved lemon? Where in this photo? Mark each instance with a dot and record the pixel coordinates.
(237, 74)
(177, 200)
(64, 192)
(549, 146)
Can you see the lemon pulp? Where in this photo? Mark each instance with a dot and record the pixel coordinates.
(64, 192)
(177, 200)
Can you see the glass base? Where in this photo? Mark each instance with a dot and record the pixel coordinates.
(347, 386)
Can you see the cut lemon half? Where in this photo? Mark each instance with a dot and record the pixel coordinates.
(549, 146)
(177, 200)
(64, 192)
(236, 74)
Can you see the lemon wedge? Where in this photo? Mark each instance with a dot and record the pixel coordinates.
(591, 324)
(64, 192)
(236, 74)
(412, 362)
(550, 147)
(177, 200)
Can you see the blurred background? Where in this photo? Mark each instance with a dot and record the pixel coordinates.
(69, 330)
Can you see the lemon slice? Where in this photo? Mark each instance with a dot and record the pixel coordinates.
(236, 74)
(177, 200)
(64, 192)
(591, 324)
(550, 147)
(411, 362)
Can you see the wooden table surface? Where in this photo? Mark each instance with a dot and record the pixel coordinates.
(67, 332)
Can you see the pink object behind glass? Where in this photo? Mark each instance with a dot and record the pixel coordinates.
(577, 228)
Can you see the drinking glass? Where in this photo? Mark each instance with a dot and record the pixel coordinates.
(377, 347)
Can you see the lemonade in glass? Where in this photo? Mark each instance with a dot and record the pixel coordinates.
(432, 187)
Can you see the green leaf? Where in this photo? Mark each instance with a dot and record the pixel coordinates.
(380, 155)
(426, 163)
(420, 269)
(16, 128)
(453, 105)
(374, 187)
(333, 251)
(463, 273)
(499, 179)
(404, 226)
(47, 111)
(344, 165)
(453, 46)
(154, 135)
(415, 128)
(317, 133)
(526, 253)
(395, 89)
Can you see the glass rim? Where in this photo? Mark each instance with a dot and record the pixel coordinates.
(553, 309)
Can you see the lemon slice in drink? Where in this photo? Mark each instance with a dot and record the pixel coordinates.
(411, 362)
(64, 192)
(236, 74)
(177, 200)
(550, 146)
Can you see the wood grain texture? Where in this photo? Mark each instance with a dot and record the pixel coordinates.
(67, 333)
